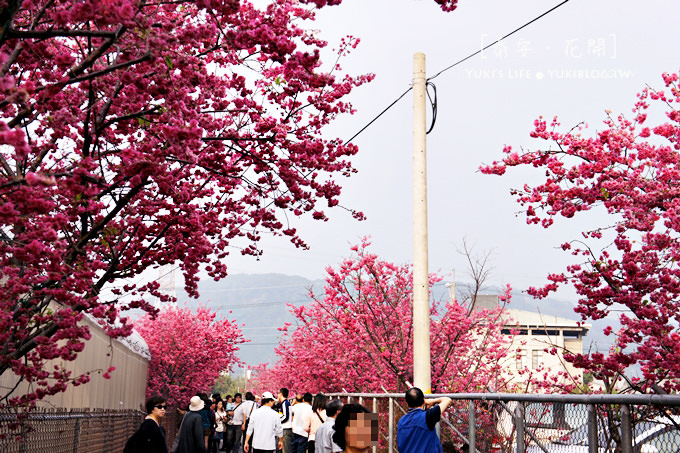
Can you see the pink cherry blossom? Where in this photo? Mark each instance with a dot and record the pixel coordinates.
(629, 170)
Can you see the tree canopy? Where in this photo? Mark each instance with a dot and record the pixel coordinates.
(627, 267)
(358, 336)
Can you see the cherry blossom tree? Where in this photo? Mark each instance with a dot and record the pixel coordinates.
(140, 133)
(358, 336)
(628, 266)
(188, 350)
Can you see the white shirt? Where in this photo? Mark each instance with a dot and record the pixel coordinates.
(242, 411)
(266, 426)
(324, 438)
(302, 415)
(220, 418)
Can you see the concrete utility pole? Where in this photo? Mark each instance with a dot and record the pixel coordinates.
(421, 285)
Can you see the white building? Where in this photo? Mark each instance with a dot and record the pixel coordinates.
(532, 334)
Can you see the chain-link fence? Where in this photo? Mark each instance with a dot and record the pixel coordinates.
(63, 431)
(479, 422)
(510, 423)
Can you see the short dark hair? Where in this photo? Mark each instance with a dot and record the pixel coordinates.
(266, 400)
(333, 407)
(348, 412)
(284, 392)
(237, 395)
(250, 396)
(307, 397)
(414, 397)
(153, 402)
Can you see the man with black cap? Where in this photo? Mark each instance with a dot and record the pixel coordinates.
(264, 428)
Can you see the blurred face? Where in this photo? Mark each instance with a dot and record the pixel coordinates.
(237, 400)
(362, 431)
(219, 406)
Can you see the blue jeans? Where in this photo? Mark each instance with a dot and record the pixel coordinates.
(298, 444)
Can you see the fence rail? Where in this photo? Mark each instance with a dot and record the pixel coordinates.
(538, 423)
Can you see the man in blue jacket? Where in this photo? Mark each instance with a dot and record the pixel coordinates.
(416, 429)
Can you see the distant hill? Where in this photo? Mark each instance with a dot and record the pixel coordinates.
(259, 304)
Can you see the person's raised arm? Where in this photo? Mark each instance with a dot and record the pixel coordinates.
(444, 402)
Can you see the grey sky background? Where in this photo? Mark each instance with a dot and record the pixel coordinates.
(580, 60)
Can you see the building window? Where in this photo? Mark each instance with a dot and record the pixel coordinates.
(514, 331)
(536, 358)
(545, 332)
(521, 359)
(571, 333)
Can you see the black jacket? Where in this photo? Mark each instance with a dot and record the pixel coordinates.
(149, 438)
(191, 434)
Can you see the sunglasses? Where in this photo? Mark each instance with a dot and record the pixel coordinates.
(161, 406)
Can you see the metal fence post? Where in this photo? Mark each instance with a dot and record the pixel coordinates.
(375, 411)
(24, 441)
(76, 435)
(626, 430)
(592, 429)
(390, 439)
(472, 427)
(519, 427)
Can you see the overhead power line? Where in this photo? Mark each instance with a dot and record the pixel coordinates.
(454, 65)
(379, 115)
(498, 40)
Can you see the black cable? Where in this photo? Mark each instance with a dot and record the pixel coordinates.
(499, 40)
(433, 103)
(379, 115)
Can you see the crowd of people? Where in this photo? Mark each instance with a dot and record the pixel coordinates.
(304, 423)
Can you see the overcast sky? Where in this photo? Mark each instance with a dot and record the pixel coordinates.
(580, 60)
